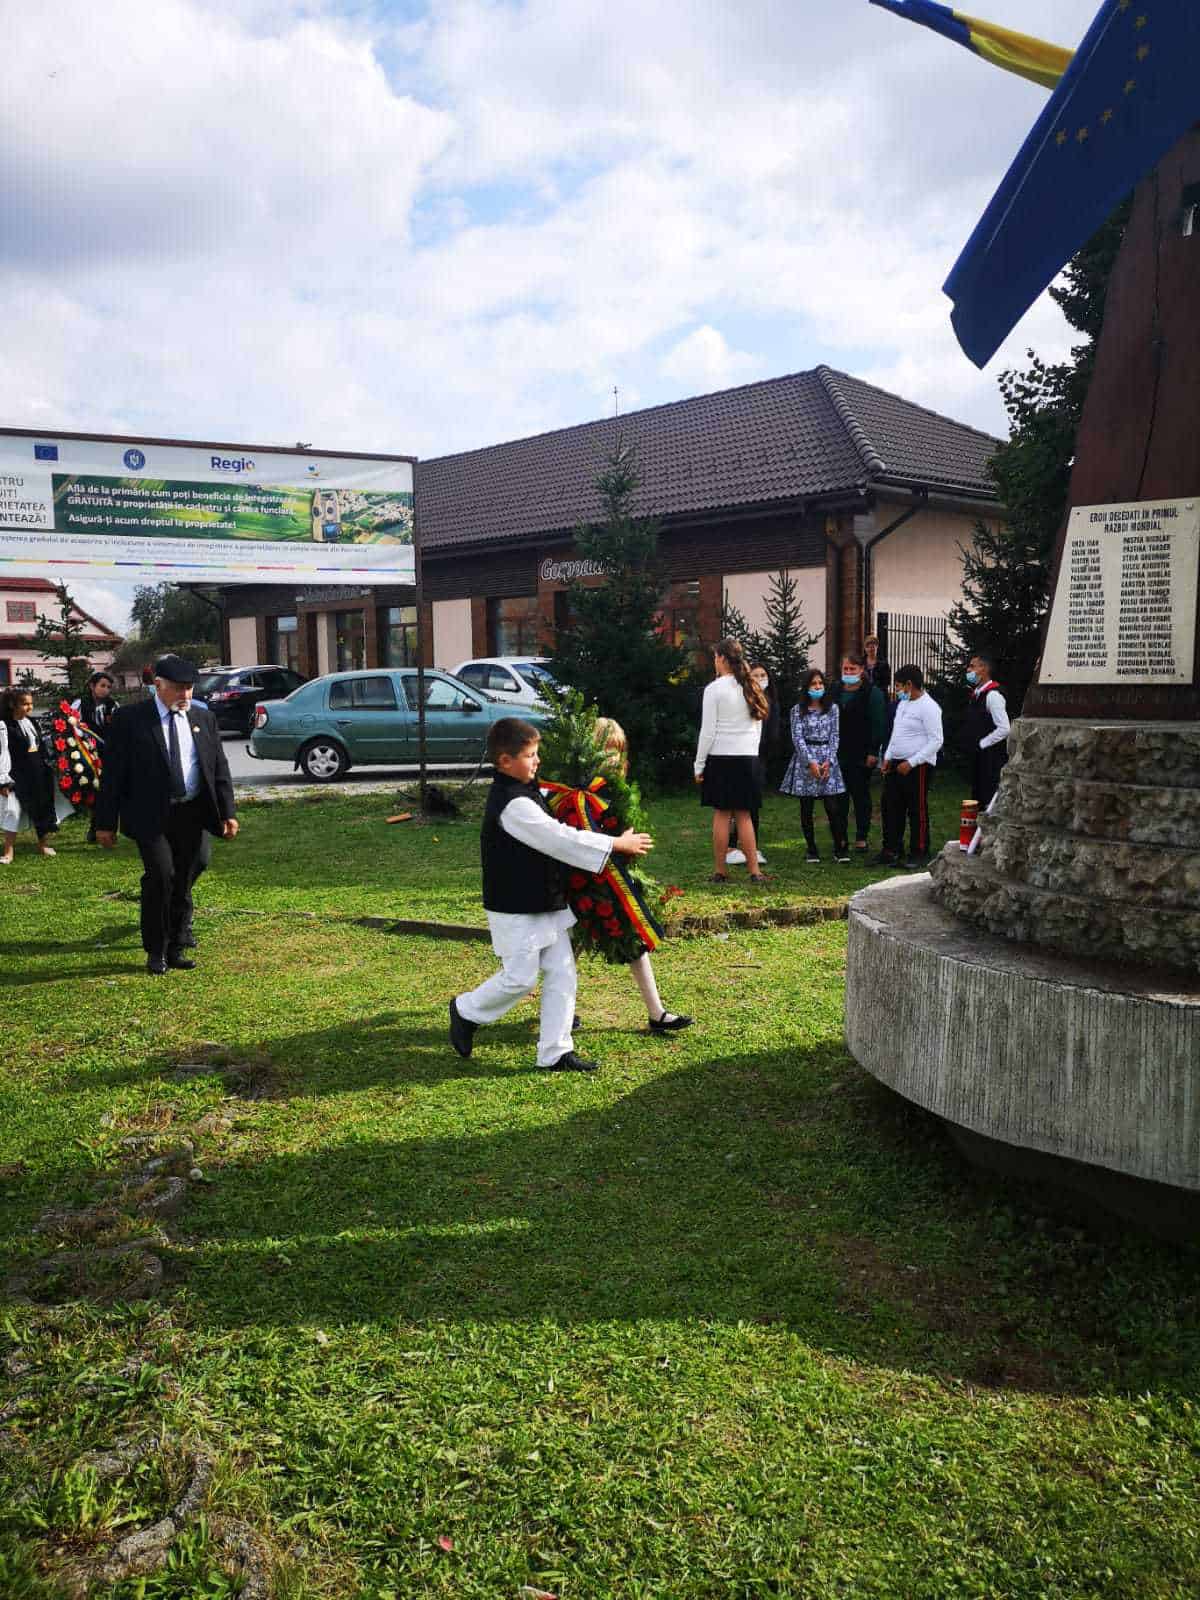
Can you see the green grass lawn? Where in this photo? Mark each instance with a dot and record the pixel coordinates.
(725, 1319)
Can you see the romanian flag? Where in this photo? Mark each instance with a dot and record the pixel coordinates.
(1015, 52)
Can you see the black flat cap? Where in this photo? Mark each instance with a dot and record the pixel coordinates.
(175, 669)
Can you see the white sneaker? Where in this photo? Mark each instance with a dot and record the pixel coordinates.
(762, 860)
(734, 858)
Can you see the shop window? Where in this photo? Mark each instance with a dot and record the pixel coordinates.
(398, 637)
(514, 626)
(350, 640)
(680, 617)
(283, 642)
(20, 610)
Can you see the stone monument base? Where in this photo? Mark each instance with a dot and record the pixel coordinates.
(1048, 1066)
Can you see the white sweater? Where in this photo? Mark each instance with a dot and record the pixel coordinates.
(916, 732)
(726, 726)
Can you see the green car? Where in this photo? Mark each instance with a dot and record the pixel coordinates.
(349, 719)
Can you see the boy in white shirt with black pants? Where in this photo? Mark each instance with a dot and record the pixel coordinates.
(525, 854)
(908, 766)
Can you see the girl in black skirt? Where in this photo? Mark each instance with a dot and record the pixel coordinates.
(26, 784)
(727, 756)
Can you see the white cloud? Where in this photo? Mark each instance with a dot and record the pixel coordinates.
(703, 359)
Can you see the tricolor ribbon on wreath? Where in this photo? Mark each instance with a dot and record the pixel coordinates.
(585, 808)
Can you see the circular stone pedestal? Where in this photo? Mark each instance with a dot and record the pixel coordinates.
(1047, 1066)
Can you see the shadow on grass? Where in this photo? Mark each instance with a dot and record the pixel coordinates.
(744, 1190)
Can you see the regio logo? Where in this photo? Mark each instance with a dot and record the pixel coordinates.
(231, 464)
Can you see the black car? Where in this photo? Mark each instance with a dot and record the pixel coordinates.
(231, 693)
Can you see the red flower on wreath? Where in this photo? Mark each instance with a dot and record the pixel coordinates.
(59, 725)
(604, 908)
(586, 902)
(613, 927)
(578, 881)
(63, 763)
(76, 797)
(611, 825)
(60, 744)
(64, 784)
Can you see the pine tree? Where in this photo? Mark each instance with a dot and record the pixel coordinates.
(614, 652)
(60, 640)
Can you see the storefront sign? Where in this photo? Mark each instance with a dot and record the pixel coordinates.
(95, 507)
(552, 571)
(1125, 605)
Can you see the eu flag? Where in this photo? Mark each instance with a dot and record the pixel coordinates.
(1129, 93)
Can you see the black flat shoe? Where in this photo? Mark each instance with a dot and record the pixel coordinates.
(462, 1032)
(577, 1023)
(156, 965)
(571, 1063)
(180, 962)
(669, 1022)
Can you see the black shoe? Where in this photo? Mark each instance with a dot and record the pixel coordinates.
(577, 1023)
(885, 858)
(841, 854)
(188, 942)
(157, 965)
(181, 963)
(462, 1032)
(571, 1063)
(917, 864)
(668, 1023)
(813, 858)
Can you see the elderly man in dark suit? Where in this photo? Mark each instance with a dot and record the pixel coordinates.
(166, 781)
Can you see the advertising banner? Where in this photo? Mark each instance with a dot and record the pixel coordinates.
(148, 511)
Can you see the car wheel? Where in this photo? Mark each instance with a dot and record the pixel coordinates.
(324, 760)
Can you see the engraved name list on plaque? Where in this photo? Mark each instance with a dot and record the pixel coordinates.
(1124, 607)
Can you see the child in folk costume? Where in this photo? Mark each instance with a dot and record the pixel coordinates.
(610, 736)
(525, 855)
(814, 772)
(27, 797)
(985, 730)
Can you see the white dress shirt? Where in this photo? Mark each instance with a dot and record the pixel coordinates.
(524, 820)
(188, 757)
(726, 726)
(916, 732)
(998, 711)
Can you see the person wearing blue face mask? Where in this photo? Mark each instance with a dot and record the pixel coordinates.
(862, 725)
(908, 766)
(985, 730)
(814, 772)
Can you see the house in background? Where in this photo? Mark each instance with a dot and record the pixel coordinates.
(22, 600)
(862, 496)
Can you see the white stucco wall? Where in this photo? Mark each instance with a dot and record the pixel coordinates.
(748, 592)
(451, 633)
(243, 645)
(918, 569)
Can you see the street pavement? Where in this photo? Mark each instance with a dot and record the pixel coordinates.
(247, 772)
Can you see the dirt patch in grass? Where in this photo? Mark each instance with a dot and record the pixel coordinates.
(949, 1303)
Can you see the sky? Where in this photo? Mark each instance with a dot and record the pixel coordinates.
(418, 229)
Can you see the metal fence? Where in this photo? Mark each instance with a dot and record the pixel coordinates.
(912, 641)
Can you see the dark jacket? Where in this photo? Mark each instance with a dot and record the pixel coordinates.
(97, 714)
(32, 780)
(135, 782)
(517, 879)
(862, 725)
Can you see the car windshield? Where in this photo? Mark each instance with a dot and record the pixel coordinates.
(208, 681)
(532, 673)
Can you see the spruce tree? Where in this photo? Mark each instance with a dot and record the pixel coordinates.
(60, 640)
(614, 651)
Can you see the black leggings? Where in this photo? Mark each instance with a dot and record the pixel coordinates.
(833, 810)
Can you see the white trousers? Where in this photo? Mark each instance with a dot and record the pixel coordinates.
(555, 962)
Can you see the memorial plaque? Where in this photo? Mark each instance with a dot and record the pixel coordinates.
(1125, 605)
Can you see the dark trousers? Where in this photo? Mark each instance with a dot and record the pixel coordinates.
(834, 810)
(857, 778)
(986, 767)
(906, 799)
(168, 872)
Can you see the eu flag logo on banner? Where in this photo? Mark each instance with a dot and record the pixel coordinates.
(1129, 93)
(45, 452)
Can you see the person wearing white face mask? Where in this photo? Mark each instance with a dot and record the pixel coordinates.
(985, 730)
(908, 766)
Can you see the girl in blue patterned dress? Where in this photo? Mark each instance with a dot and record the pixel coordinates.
(814, 772)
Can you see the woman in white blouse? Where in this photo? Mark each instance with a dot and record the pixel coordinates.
(26, 788)
(727, 755)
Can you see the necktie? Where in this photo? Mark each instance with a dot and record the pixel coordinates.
(178, 786)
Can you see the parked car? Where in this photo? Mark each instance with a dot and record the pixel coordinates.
(369, 718)
(231, 693)
(513, 679)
